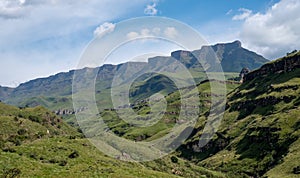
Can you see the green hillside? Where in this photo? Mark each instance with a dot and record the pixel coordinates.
(36, 143)
(259, 135)
(169, 119)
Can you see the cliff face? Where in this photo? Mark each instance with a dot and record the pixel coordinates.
(285, 64)
(232, 56)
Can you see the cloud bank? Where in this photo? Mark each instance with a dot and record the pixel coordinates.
(103, 29)
(274, 32)
(51, 34)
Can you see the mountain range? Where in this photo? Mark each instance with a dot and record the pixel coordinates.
(55, 91)
(258, 137)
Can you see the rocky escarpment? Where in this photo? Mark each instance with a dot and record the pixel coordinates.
(63, 112)
(233, 57)
(285, 64)
(262, 90)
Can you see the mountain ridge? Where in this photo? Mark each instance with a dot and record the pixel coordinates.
(63, 80)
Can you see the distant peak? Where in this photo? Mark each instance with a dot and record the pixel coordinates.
(180, 53)
(235, 44)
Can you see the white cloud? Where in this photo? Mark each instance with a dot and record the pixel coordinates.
(171, 32)
(244, 15)
(104, 29)
(151, 9)
(132, 35)
(156, 31)
(22, 2)
(10, 9)
(145, 32)
(54, 32)
(275, 32)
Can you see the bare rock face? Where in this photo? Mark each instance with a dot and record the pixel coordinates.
(62, 112)
(244, 72)
(286, 64)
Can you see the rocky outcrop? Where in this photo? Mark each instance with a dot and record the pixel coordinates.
(181, 54)
(233, 57)
(243, 73)
(286, 64)
(269, 100)
(62, 112)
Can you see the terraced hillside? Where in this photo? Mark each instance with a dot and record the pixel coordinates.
(259, 135)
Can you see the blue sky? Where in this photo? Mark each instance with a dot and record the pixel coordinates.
(43, 37)
(195, 12)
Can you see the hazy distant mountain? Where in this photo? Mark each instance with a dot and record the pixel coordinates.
(231, 56)
(5, 92)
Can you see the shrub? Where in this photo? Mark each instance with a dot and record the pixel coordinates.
(34, 119)
(108, 170)
(74, 154)
(40, 134)
(174, 159)
(53, 161)
(2, 143)
(18, 142)
(22, 131)
(20, 115)
(33, 156)
(79, 130)
(62, 163)
(10, 150)
(296, 170)
(72, 137)
(15, 172)
(55, 132)
(16, 119)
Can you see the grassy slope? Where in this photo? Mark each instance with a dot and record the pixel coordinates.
(50, 158)
(260, 131)
(27, 150)
(161, 128)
